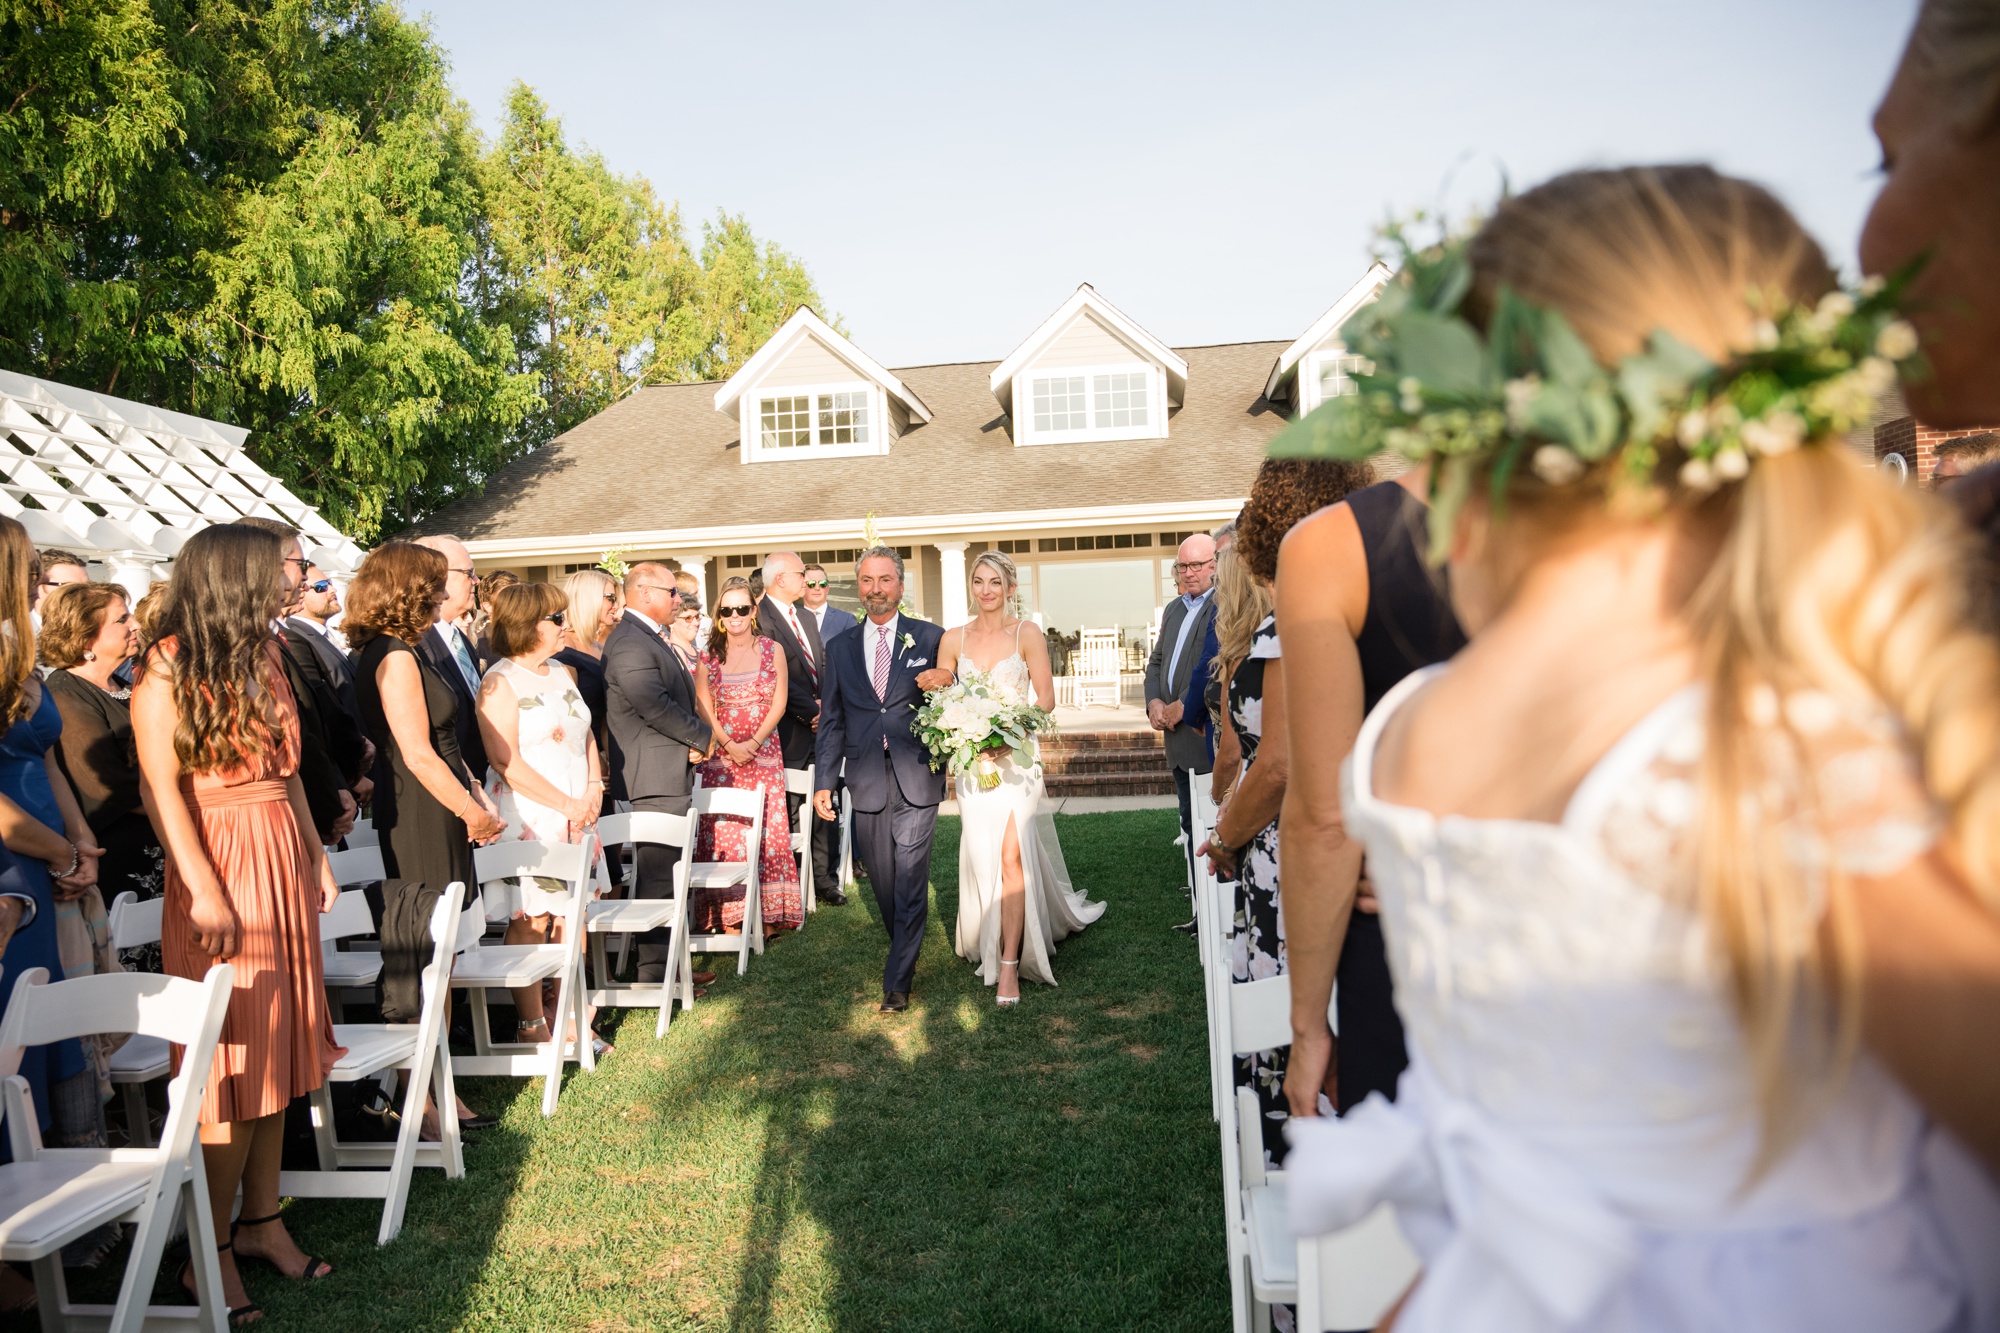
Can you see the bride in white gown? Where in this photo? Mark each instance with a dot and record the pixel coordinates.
(1014, 895)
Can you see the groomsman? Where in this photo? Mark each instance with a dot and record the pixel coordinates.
(833, 622)
(781, 619)
(1183, 625)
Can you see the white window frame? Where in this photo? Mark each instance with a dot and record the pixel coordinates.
(1313, 371)
(752, 421)
(1156, 404)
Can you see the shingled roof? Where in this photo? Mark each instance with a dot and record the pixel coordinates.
(665, 458)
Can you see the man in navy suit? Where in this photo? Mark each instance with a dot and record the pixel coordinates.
(874, 680)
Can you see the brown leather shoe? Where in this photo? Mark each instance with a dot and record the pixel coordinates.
(702, 978)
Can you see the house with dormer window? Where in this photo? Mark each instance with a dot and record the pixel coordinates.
(1086, 454)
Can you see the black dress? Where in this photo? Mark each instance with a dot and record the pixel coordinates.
(1410, 624)
(589, 673)
(1259, 928)
(424, 845)
(96, 756)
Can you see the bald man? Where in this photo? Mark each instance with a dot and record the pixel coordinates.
(1183, 625)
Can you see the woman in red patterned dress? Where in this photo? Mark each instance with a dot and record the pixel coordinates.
(741, 688)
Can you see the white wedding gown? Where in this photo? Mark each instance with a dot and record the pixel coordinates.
(1573, 1145)
(1053, 908)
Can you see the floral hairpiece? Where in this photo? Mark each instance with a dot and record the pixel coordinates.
(1529, 391)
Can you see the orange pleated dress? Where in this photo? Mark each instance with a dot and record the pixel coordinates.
(277, 1040)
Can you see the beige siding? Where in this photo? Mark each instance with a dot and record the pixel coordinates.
(808, 363)
(899, 419)
(1084, 343)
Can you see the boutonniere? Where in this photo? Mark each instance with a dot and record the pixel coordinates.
(909, 640)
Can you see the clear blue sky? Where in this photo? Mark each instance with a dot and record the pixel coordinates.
(950, 172)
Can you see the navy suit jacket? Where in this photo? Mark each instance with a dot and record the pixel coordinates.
(836, 620)
(854, 721)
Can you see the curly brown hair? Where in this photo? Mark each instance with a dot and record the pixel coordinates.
(397, 592)
(72, 617)
(1286, 490)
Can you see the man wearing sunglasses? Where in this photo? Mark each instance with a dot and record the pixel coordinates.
(657, 733)
(321, 656)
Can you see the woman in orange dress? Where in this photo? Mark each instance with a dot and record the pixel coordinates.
(218, 740)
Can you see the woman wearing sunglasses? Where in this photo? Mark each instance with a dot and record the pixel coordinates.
(740, 690)
(544, 776)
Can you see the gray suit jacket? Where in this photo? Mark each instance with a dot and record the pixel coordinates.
(1185, 746)
(654, 722)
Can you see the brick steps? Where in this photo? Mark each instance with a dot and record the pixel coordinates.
(1106, 763)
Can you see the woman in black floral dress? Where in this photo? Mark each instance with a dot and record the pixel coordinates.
(1286, 490)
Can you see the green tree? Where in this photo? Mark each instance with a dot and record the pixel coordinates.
(601, 289)
(264, 212)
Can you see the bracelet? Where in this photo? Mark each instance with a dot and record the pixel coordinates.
(75, 861)
(467, 806)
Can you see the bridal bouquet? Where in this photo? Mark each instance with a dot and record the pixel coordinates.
(973, 723)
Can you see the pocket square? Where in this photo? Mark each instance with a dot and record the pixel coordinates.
(916, 662)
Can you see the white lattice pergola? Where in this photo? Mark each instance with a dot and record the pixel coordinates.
(127, 484)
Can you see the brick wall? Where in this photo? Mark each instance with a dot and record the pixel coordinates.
(1916, 442)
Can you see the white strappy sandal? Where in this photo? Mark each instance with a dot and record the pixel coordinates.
(1004, 1000)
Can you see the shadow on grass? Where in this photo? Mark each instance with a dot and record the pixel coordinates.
(1047, 1167)
(790, 1159)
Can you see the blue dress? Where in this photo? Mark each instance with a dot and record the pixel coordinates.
(24, 780)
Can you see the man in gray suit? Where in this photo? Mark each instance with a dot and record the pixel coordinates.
(1182, 626)
(654, 725)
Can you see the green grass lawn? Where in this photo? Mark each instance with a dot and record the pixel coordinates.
(788, 1158)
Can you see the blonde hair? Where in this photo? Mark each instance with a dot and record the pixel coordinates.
(1820, 576)
(1241, 603)
(997, 560)
(585, 590)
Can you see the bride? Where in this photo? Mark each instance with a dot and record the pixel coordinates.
(1014, 894)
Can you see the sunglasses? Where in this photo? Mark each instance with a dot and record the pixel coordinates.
(554, 618)
(730, 612)
(815, 583)
(320, 585)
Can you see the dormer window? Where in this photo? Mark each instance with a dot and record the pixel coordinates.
(1089, 374)
(810, 393)
(1059, 404)
(828, 418)
(1334, 375)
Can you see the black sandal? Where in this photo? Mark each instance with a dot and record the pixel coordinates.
(313, 1262)
(236, 1313)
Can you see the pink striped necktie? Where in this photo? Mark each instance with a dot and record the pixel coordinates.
(881, 674)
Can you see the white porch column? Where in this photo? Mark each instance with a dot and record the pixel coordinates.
(134, 572)
(696, 565)
(951, 559)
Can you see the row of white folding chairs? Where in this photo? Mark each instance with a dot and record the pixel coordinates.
(52, 1196)
(1347, 1280)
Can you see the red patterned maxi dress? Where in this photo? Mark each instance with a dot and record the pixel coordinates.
(741, 703)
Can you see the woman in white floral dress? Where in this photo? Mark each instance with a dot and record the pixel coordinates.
(543, 777)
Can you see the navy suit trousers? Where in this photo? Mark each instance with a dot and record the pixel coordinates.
(894, 844)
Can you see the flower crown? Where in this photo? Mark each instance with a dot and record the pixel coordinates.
(1529, 391)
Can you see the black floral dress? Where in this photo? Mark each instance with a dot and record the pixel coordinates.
(1259, 948)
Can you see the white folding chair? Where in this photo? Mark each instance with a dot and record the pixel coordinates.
(630, 916)
(350, 969)
(1214, 915)
(738, 803)
(1263, 1257)
(1350, 1279)
(482, 967)
(364, 835)
(419, 1051)
(51, 1196)
(142, 1059)
(799, 782)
